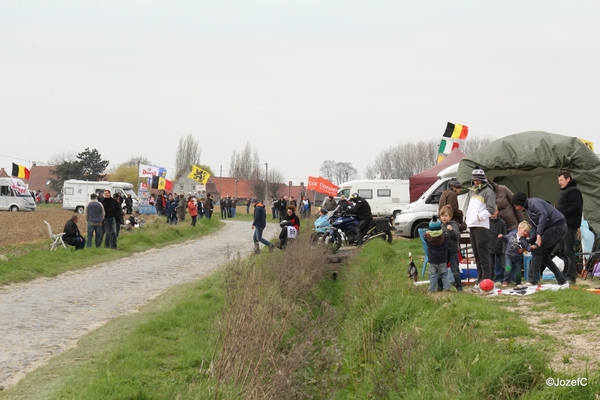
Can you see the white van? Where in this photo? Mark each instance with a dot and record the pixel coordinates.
(76, 193)
(385, 196)
(418, 213)
(14, 195)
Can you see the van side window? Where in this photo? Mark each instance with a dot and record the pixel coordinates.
(4, 191)
(365, 193)
(69, 191)
(384, 193)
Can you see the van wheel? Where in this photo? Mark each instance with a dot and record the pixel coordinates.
(79, 210)
(14, 208)
(422, 224)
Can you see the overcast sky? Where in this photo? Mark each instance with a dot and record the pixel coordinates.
(303, 82)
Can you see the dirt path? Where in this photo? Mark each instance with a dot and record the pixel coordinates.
(47, 316)
(577, 348)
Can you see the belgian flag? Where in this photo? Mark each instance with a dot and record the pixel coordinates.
(456, 131)
(161, 183)
(20, 171)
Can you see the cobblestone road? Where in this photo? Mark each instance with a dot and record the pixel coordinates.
(47, 316)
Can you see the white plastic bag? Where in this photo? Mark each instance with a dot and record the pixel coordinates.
(559, 263)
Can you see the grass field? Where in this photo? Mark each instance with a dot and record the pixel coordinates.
(279, 326)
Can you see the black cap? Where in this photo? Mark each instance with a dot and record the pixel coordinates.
(519, 199)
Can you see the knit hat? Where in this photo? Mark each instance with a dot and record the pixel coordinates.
(455, 183)
(519, 199)
(435, 224)
(478, 174)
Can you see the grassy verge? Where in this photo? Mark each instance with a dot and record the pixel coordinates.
(279, 326)
(27, 262)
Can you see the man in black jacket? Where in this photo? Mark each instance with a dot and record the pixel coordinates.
(112, 210)
(570, 204)
(72, 235)
(362, 210)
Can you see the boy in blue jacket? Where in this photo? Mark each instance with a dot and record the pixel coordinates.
(517, 244)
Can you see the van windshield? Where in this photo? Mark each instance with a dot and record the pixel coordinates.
(26, 194)
(344, 192)
(131, 192)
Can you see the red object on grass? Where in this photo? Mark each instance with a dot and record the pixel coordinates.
(486, 285)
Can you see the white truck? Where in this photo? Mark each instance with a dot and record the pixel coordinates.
(76, 193)
(14, 195)
(418, 213)
(385, 196)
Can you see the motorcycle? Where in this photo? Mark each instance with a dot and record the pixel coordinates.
(345, 230)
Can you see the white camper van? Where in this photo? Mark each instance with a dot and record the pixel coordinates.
(14, 195)
(385, 196)
(76, 193)
(418, 213)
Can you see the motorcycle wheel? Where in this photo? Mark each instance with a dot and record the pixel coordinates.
(332, 241)
(387, 236)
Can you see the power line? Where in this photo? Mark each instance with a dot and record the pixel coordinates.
(14, 158)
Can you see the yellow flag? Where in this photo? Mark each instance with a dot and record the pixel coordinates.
(199, 175)
(589, 144)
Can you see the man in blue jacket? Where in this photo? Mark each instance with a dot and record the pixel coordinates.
(259, 224)
(549, 227)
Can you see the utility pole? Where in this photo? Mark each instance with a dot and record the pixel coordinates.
(266, 183)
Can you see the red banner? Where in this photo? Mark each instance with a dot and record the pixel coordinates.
(312, 183)
(322, 185)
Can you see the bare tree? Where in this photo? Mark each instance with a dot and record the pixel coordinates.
(407, 159)
(338, 172)
(242, 165)
(344, 172)
(472, 144)
(276, 181)
(135, 160)
(188, 153)
(327, 169)
(61, 158)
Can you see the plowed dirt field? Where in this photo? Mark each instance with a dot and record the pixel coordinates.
(27, 227)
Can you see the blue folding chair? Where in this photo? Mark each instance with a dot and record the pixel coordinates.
(424, 244)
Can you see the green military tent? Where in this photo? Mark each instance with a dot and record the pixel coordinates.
(529, 162)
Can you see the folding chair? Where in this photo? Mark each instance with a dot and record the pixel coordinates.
(424, 244)
(56, 238)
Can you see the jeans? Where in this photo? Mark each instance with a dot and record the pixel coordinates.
(515, 264)
(110, 228)
(78, 244)
(438, 271)
(567, 253)
(453, 260)
(480, 243)
(542, 255)
(98, 231)
(208, 213)
(499, 263)
(257, 237)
